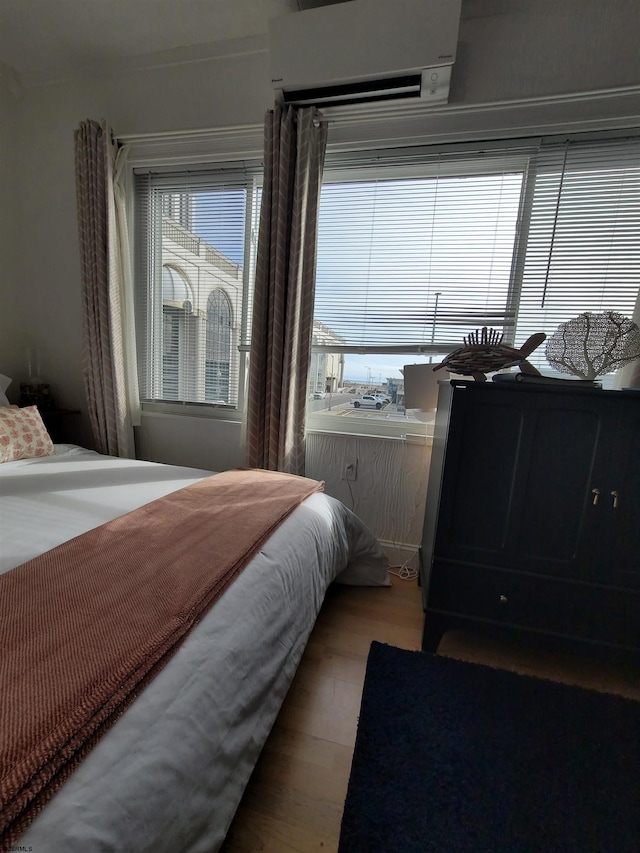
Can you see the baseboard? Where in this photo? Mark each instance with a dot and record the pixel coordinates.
(399, 553)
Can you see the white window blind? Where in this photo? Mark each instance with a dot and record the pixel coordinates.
(194, 265)
(581, 236)
(416, 250)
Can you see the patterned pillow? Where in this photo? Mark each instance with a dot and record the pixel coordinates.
(23, 435)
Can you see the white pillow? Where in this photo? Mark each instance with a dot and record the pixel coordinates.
(4, 384)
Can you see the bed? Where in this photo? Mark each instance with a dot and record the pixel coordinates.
(169, 774)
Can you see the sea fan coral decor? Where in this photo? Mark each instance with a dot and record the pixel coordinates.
(591, 344)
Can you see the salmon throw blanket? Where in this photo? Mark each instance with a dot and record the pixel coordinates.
(86, 625)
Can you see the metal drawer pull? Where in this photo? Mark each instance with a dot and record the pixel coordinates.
(503, 599)
(595, 493)
(615, 496)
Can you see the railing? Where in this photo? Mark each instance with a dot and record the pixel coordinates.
(172, 231)
(187, 240)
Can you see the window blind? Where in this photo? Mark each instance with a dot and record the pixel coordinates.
(581, 236)
(194, 253)
(417, 249)
(414, 260)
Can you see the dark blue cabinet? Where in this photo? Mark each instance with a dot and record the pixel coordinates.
(533, 511)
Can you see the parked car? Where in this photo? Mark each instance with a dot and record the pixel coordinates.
(369, 401)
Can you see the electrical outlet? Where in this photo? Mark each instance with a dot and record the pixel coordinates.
(349, 468)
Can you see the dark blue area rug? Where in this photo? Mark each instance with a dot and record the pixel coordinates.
(455, 757)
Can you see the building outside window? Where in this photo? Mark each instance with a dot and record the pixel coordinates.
(326, 369)
(177, 307)
(193, 264)
(218, 347)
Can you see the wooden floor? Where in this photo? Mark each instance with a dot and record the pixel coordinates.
(295, 798)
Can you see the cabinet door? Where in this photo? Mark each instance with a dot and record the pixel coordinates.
(518, 477)
(483, 446)
(619, 552)
(564, 456)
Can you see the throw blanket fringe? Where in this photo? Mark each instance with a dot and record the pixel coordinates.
(85, 626)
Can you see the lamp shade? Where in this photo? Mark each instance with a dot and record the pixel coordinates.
(420, 387)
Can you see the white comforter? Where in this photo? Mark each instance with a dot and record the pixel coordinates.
(169, 775)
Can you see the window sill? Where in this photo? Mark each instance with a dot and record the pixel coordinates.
(406, 438)
(372, 426)
(191, 410)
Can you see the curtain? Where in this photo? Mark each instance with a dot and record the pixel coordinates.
(102, 282)
(121, 281)
(295, 142)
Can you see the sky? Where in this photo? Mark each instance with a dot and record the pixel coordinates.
(218, 218)
(422, 261)
(374, 234)
(379, 368)
(394, 257)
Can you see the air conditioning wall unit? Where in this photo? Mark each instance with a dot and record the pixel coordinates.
(365, 51)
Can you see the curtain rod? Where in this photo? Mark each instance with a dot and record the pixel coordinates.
(185, 134)
(424, 110)
(390, 112)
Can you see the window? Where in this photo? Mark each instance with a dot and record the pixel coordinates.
(177, 307)
(179, 208)
(194, 265)
(218, 347)
(417, 249)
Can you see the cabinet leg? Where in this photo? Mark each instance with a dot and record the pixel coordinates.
(434, 627)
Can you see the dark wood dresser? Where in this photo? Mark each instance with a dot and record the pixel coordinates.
(533, 512)
(60, 423)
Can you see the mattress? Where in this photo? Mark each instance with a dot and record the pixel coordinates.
(171, 771)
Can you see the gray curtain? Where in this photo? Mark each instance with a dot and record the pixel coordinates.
(101, 280)
(295, 142)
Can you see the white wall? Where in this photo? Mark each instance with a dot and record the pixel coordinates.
(510, 51)
(205, 94)
(10, 302)
(514, 49)
(390, 486)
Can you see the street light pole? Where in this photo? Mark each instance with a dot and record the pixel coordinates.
(433, 325)
(435, 314)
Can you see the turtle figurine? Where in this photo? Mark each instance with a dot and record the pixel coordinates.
(484, 353)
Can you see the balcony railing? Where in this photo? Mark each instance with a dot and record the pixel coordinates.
(187, 240)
